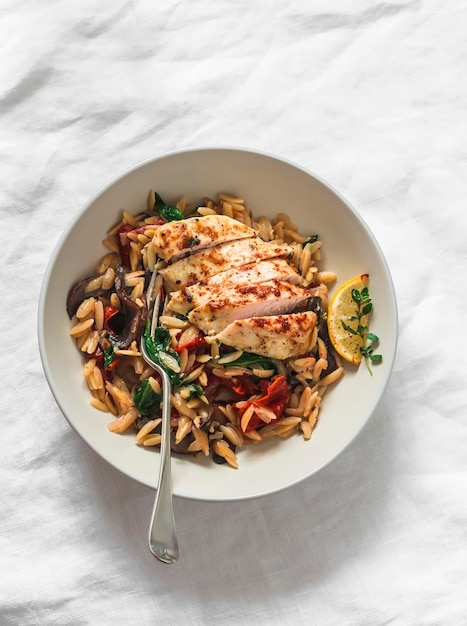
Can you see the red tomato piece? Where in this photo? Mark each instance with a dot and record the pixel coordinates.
(197, 342)
(274, 398)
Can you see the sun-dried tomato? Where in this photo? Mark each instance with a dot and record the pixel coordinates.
(114, 320)
(275, 395)
(194, 344)
(242, 385)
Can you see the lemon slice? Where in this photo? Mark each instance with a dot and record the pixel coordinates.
(342, 312)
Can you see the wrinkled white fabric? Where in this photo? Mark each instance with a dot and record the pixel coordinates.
(371, 95)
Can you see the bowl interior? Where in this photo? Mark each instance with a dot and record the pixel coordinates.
(269, 186)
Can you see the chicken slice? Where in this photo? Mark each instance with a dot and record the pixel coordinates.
(272, 297)
(206, 263)
(182, 237)
(194, 296)
(275, 337)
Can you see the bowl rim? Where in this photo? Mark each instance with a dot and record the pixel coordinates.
(70, 225)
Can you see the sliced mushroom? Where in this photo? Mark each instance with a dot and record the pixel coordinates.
(183, 445)
(81, 290)
(316, 304)
(135, 316)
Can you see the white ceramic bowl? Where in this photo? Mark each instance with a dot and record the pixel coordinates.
(270, 185)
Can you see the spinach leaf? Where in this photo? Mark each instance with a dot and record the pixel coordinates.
(160, 352)
(167, 211)
(248, 359)
(109, 355)
(147, 401)
(311, 239)
(196, 391)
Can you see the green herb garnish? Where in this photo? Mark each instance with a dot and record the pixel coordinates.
(167, 211)
(147, 401)
(364, 307)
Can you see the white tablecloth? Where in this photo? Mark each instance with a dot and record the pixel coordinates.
(372, 97)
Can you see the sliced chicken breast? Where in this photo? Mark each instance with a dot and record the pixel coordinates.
(206, 263)
(194, 296)
(180, 238)
(273, 297)
(276, 337)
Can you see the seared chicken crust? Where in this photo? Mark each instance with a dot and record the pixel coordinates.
(235, 287)
(195, 295)
(243, 301)
(206, 263)
(276, 337)
(181, 237)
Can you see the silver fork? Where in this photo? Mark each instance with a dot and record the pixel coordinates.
(162, 537)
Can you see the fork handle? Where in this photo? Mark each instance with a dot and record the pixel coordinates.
(162, 537)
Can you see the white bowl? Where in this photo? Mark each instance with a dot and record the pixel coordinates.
(270, 185)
